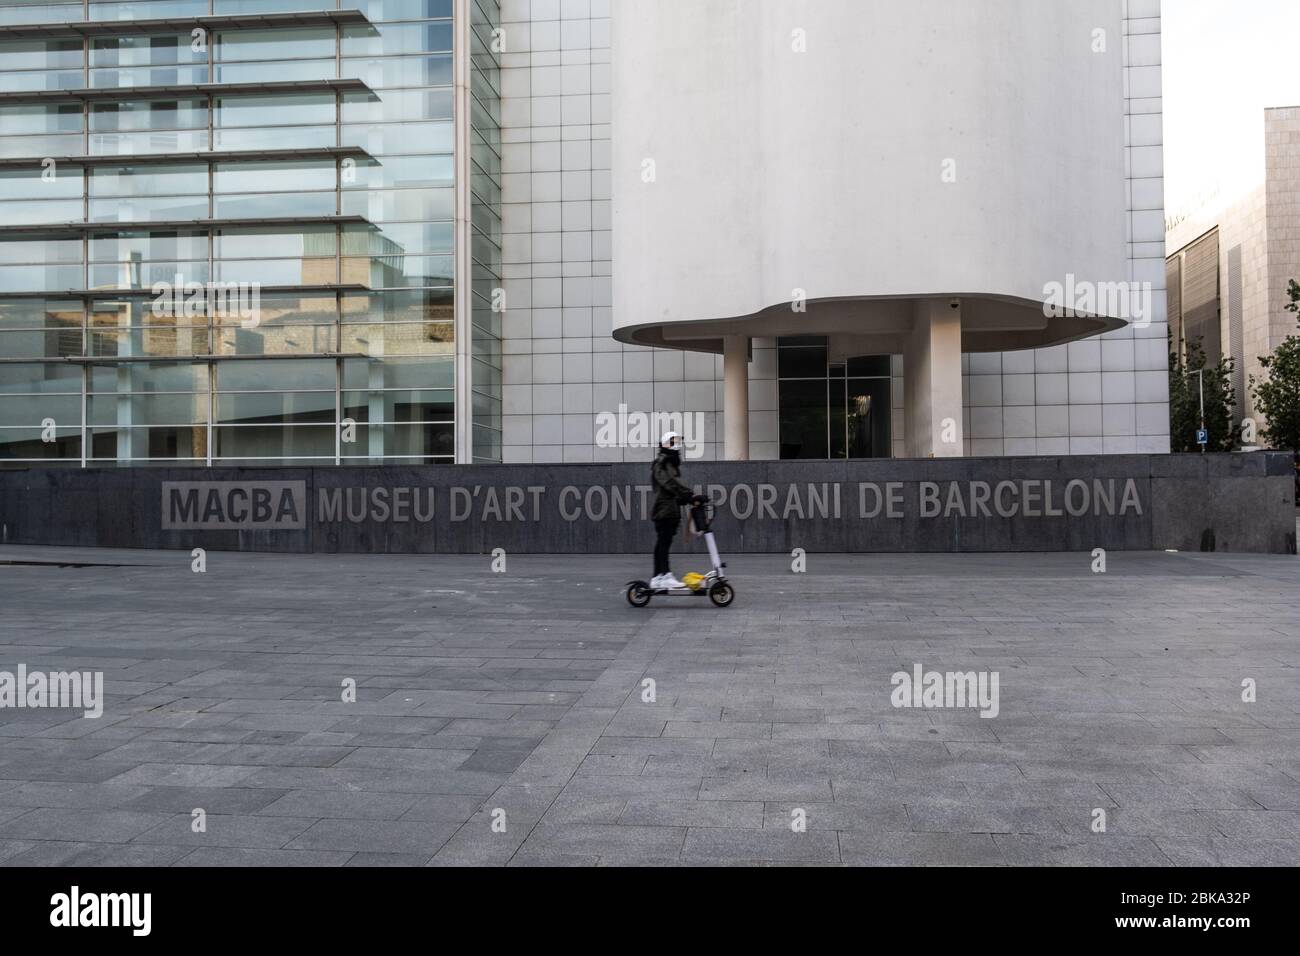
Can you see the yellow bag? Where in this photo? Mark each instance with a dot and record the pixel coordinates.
(693, 581)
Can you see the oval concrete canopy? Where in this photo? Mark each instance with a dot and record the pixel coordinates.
(830, 166)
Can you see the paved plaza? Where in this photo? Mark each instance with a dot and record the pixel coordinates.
(503, 719)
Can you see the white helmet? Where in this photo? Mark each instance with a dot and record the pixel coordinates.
(670, 440)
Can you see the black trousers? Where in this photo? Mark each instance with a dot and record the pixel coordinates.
(665, 531)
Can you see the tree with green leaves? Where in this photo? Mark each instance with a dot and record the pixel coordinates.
(1185, 374)
(1277, 397)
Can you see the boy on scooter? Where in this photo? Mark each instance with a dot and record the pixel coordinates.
(670, 495)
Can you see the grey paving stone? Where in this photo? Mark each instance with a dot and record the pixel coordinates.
(243, 856)
(1120, 693)
(693, 813)
(387, 836)
(229, 830)
(706, 845)
(920, 849)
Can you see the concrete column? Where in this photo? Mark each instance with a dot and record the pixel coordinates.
(932, 382)
(735, 394)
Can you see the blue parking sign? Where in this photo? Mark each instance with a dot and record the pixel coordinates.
(1202, 436)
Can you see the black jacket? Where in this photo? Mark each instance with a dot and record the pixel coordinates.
(670, 492)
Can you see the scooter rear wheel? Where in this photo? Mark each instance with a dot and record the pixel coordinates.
(638, 594)
(722, 594)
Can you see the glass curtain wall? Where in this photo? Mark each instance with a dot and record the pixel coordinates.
(485, 221)
(306, 168)
(831, 410)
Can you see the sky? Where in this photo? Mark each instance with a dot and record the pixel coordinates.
(1224, 62)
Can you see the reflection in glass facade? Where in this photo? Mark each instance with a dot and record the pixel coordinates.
(294, 153)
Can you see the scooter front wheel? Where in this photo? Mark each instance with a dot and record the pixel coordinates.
(638, 594)
(722, 594)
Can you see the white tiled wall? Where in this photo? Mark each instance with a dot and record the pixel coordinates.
(1106, 395)
(562, 367)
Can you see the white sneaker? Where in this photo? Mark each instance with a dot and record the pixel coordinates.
(670, 582)
(654, 582)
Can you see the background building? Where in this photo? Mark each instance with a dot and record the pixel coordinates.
(1231, 260)
(426, 192)
(1059, 169)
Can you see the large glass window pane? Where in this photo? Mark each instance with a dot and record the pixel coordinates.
(147, 50)
(154, 141)
(40, 55)
(139, 115)
(398, 373)
(276, 441)
(401, 441)
(29, 411)
(149, 377)
(274, 204)
(287, 374)
(397, 238)
(32, 278)
(400, 171)
(162, 246)
(146, 410)
(264, 72)
(147, 180)
(274, 177)
(393, 39)
(277, 272)
(149, 209)
(275, 408)
(402, 405)
(376, 10)
(39, 379)
(151, 340)
(134, 77)
(39, 248)
(423, 338)
(308, 242)
(286, 309)
(802, 361)
(398, 204)
(30, 184)
(383, 139)
(31, 118)
(308, 108)
(143, 275)
(52, 342)
(395, 272)
(803, 418)
(61, 145)
(39, 212)
(126, 443)
(276, 340)
(147, 9)
(28, 444)
(396, 106)
(46, 13)
(297, 43)
(277, 137)
(413, 306)
(400, 71)
(868, 416)
(39, 313)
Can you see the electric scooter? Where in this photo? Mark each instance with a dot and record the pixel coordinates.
(714, 584)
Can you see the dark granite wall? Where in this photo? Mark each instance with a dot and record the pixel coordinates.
(1188, 502)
